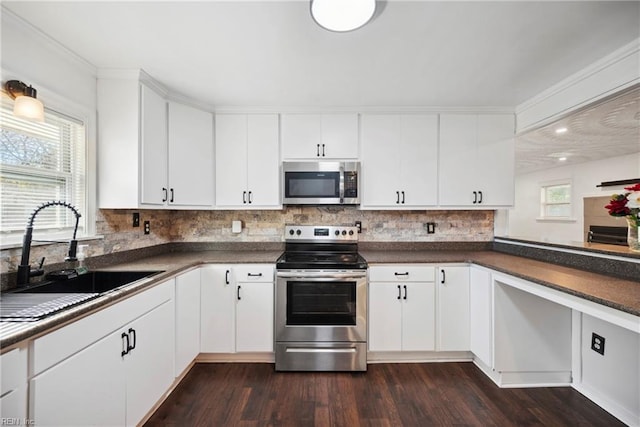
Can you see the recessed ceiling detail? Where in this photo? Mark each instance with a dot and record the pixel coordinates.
(606, 129)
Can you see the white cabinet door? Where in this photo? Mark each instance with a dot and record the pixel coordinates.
(418, 317)
(231, 160)
(399, 160)
(13, 375)
(187, 303)
(263, 161)
(385, 317)
(320, 136)
(380, 160)
(153, 134)
(190, 156)
(458, 159)
(339, 136)
(496, 159)
(247, 161)
(480, 315)
(476, 160)
(217, 310)
(86, 389)
(149, 364)
(301, 135)
(254, 316)
(419, 160)
(453, 308)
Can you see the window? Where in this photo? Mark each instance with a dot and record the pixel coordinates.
(40, 162)
(555, 201)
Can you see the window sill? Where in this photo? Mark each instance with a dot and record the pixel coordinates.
(18, 244)
(559, 219)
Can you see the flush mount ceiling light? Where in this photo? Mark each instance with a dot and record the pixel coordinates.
(561, 130)
(342, 15)
(26, 105)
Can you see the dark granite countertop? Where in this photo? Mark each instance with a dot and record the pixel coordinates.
(621, 294)
(613, 292)
(597, 248)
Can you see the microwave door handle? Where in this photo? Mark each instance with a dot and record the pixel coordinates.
(341, 184)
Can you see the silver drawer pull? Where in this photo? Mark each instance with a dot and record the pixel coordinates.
(321, 350)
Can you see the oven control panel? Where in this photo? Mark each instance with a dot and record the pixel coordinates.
(321, 233)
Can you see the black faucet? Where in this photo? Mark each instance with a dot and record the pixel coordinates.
(24, 269)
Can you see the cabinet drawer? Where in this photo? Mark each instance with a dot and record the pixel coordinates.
(401, 272)
(13, 366)
(56, 346)
(253, 273)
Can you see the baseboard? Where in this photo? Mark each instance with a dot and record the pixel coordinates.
(417, 356)
(236, 358)
(621, 413)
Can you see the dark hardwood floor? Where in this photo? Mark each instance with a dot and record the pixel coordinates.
(425, 394)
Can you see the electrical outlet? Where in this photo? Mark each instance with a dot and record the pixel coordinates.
(359, 225)
(147, 227)
(431, 227)
(136, 219)
(597, 343)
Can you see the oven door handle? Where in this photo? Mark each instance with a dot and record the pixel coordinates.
(323, 275)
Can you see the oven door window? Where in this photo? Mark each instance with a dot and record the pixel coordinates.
(312, 184)
(321, 303)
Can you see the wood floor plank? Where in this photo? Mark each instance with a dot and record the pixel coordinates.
(412, 394)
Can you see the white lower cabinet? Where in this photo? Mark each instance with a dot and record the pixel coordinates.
(187, 304)
(13, 374)
(236, 308)
(401, 308)
(453, 308)
(481, 315)
(109, 368)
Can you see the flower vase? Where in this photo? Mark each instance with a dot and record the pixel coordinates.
(632, 235)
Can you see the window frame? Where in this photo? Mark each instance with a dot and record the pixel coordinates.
(543, 204)
(75, 112)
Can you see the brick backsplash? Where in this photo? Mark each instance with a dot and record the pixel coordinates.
(264, 226)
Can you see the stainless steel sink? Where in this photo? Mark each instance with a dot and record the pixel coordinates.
(39, 301)
(90, 282)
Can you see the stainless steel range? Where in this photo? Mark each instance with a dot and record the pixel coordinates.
(321, 301)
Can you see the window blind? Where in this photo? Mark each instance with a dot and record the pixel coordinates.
(40, 162)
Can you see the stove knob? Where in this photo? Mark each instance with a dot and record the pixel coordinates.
(350, 232)
(291, 231)
(344, 232)
(337, 232)
(298, 232)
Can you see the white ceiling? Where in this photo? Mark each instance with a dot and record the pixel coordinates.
(271, 54)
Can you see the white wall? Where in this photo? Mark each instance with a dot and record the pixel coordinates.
(65, 83)
(522, 222)
(32, 57)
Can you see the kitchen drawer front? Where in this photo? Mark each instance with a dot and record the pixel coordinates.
(58, 345)
(401, 273)
(254, 273)
(13, 366)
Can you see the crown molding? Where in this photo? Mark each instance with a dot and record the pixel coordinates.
(591, 70)
(46, 40)
(132, 74)
(362, 109)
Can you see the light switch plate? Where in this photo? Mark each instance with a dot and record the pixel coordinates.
(236, 226)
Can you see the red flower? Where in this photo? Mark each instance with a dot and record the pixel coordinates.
(618, 205)
(635, 187)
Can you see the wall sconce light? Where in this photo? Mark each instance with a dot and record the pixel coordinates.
(26, 105)
(342, 15)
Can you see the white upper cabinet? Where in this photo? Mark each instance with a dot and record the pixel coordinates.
(247, 161)
(132, 125)
(476, 160)
(190, 156)
(320, 136)
(399, 160)
(153, 141)
(151, 153)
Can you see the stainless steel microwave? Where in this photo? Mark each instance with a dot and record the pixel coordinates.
(321, 183)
